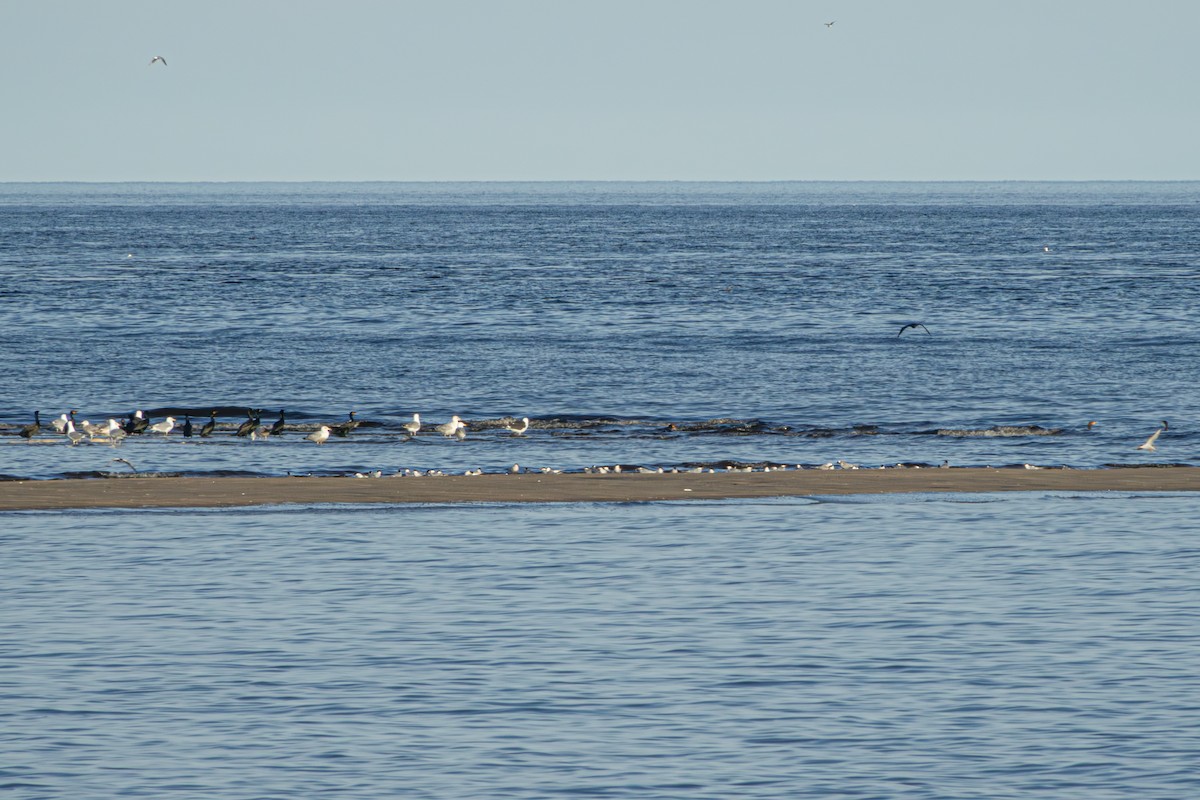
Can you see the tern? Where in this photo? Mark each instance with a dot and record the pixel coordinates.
(159, 60)
(914, 326)
(1148, 445)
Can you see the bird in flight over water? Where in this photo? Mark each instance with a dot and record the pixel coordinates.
(913, 325)
(158, 59)
(1148, 445)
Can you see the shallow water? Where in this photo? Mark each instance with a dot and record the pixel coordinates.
(1037, 645)
(760, 319)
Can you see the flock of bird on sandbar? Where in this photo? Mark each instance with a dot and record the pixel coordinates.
(113, 432)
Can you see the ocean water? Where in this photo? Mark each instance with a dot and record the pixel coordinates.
(966, 646)
(1024, 645)
(642, 324)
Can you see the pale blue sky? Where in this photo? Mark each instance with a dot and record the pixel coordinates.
(613, 90)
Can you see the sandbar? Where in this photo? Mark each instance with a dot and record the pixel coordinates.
(200, 492)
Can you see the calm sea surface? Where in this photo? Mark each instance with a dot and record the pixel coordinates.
(760, 320)
(1028, 645)
(920, 647)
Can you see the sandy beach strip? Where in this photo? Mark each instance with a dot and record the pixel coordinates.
(170, 492)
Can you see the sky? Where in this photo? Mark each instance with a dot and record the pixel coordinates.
(393, 90)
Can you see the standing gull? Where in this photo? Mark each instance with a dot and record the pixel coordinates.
(414, 426)
(519, 430)
(165, 427)
(319, 436)
(450, 428)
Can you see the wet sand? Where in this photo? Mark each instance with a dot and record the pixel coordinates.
(168, 492)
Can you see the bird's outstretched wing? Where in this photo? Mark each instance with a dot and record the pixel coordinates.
(1149, 443)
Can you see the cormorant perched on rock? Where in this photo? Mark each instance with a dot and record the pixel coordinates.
(33, 429)
(137, 422)
(343, 428)
(277, 428)
(252, 421)
(207, 428)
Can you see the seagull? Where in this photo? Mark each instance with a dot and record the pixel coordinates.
(320, 435)
(827, 25)
(914, 326)
(114, 432)
(159, 60)
(1148, 445)
(126, 463)
(163, 427)
(75, 436)
(451, 427)
(518, 430)
(343, 428)
(207, 428)
(60, 423)
(414, 426)
(34, 428)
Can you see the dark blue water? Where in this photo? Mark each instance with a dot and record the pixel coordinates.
(923, 647)
(760, 320)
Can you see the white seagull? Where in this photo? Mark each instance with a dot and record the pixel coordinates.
(413, 427)
(319, 436)
(450, 428)
(158, 60)
(163, 427)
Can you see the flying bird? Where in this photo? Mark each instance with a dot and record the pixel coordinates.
(159, 60)
(1148, 445)
(827, 25)
(913, 325)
